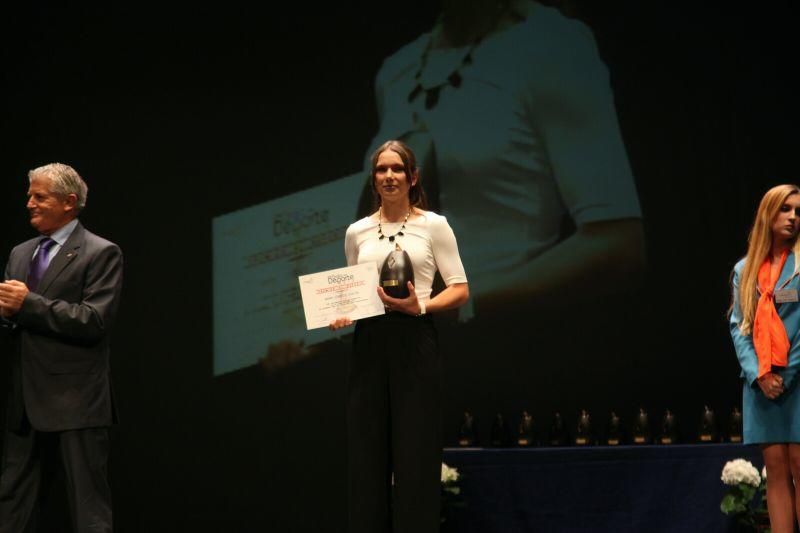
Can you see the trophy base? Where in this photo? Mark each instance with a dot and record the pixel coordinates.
(705, 438)
(523, 442)
(581, 441)
(613, 442)
(737, 438)
(465, 442)
(639, 440)
(666, 440)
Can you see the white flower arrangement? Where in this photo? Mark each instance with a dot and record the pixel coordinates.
(746, 498)
(449, 475)
(451, 492)
(740, 471)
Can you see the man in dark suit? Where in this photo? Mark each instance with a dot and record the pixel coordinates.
(58, 302)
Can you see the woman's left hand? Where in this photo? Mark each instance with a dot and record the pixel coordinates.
(409, 306)
(771, 385)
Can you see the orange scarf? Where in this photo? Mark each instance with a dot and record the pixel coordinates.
(769, 334)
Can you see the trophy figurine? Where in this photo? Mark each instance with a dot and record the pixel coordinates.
(583, 433)
(525, 430)
(708, 426)
(641, 428)
(558, 434)
(669, 433)
(466, 434)
(735, 431)
(500, 436)
(614, 434)
(396, 272)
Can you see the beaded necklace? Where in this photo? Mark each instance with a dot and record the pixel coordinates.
(454, 79)
(399, 232)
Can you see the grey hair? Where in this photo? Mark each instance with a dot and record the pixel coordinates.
(64, 180)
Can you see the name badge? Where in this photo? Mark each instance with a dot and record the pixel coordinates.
(786, 295)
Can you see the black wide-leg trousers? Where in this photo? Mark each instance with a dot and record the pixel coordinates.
(29, 456)
(394, 440)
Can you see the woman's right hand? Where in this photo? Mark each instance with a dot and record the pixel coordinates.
(771, 385)
(339, 323)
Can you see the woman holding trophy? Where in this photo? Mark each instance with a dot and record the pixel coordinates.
(394, 391)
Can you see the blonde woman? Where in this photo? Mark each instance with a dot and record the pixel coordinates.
(765, 326)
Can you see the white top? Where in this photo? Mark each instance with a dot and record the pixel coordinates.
(428, 239)
(529, 138)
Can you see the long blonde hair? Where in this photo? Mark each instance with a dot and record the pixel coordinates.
(759, 246)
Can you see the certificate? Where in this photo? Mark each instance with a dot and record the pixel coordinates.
(343, 292)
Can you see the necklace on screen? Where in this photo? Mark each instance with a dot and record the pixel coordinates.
(454, 78)
(506, 14)
(399, 232)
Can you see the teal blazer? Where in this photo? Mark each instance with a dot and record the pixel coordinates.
(789, 313)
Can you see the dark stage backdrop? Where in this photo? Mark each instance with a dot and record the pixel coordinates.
(175, 117)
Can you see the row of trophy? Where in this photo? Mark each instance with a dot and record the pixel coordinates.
(584, 433)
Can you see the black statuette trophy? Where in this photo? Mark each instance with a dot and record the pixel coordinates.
(525, 430)
(669, 429)
(500, 434)
(396, 272)
(558, 434)
(583, 433)
(614, 434)
(735, 432)
(641, 428)
(466, 434)
(708, 426)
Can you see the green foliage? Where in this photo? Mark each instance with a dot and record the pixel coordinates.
(746, 502)
(451, 498)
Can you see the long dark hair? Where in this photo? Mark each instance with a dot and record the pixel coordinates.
(416, 194)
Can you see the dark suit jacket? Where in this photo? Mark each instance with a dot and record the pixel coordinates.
(60, 336)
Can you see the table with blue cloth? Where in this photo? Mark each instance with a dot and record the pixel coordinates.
(644, 488)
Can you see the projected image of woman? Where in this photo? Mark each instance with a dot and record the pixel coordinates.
(765, 326)
(510, 110)
(394, 396)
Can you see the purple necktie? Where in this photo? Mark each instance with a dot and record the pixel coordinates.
(39, 263)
